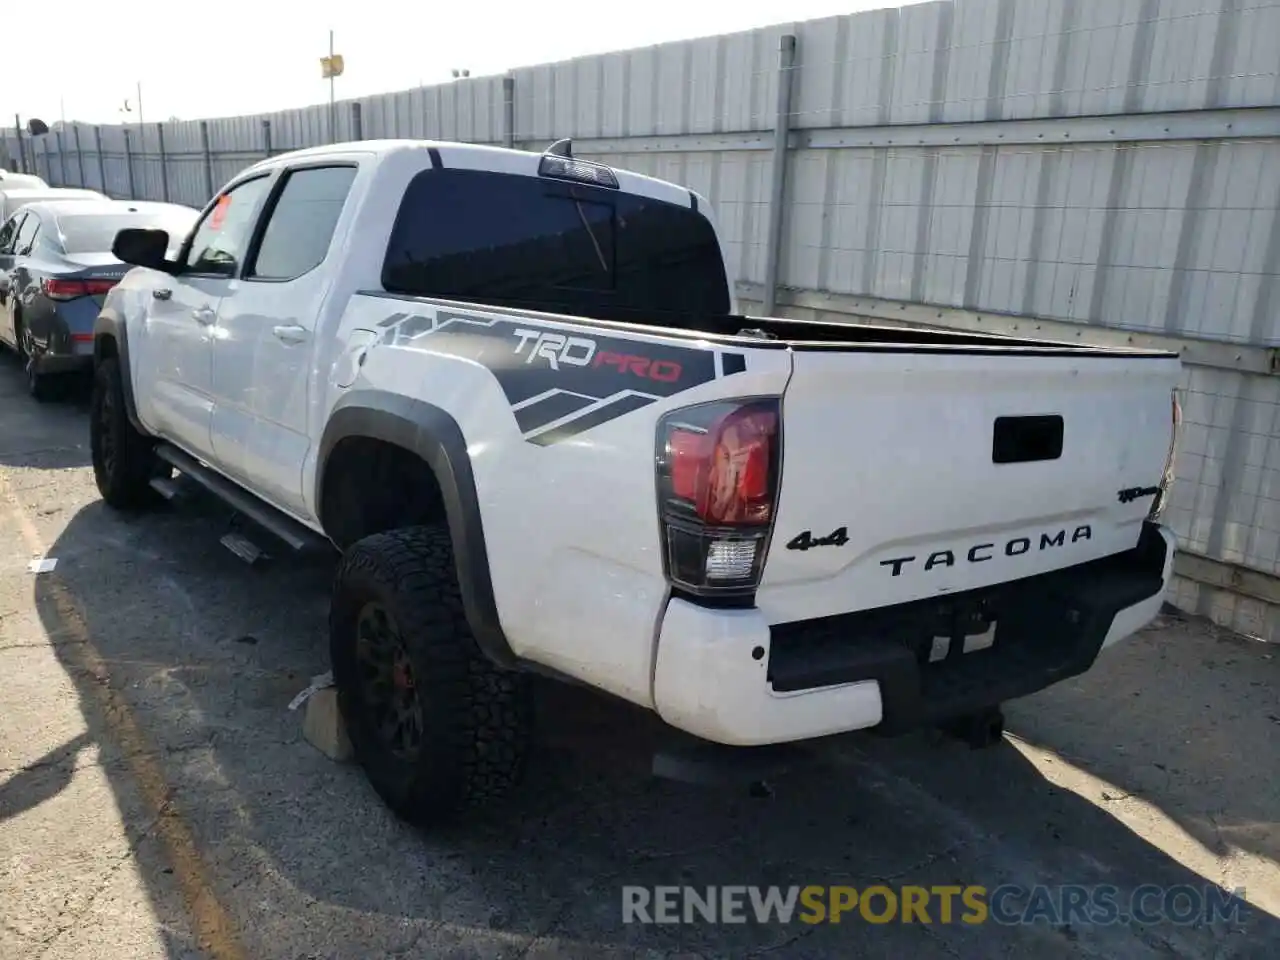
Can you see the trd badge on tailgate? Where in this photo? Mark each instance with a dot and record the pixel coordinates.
(1130, 494)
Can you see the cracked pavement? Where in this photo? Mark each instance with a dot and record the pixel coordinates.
(157, 799)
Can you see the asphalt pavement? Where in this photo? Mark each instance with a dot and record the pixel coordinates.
(157, 799)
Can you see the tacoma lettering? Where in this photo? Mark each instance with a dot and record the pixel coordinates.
(981, 552)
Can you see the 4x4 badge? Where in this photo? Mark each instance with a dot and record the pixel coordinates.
(807, 541)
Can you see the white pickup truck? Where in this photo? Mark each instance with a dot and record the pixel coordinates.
(512, 390)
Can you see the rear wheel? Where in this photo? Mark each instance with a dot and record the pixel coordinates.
(41, 386)
(124, 461)
(436, 727)
(20, 337)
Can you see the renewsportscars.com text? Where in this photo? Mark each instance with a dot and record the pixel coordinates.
(1008, 904)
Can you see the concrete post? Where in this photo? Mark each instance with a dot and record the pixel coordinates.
(508, 111)
(208, 160)
(778, 182)
(164, 164)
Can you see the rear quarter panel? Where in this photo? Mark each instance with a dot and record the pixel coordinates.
(569, 511)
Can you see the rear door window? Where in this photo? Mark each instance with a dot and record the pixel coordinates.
(548, 245)
(301, 224)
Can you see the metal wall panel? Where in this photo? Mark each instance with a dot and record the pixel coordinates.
(1114, 166)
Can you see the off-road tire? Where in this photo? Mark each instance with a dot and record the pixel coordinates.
(124, 479)
(476, 718)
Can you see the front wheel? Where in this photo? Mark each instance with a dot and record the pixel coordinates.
(124, 461)
(436, 726)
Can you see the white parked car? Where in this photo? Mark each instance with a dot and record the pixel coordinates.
(21, 181)
(13, 198)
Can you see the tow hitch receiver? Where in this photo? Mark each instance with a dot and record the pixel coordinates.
(982, 729)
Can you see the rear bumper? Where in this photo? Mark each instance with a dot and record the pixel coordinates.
(64, 337)
(729, 677)
(75, 357)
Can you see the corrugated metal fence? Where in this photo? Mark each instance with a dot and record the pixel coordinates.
(1094, 171)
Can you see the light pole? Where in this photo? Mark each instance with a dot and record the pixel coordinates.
(331, 68)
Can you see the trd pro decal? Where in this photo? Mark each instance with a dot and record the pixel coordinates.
(561, 382)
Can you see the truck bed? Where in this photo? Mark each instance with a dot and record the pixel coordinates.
(808, 335)
(945, 461)
(789, 333)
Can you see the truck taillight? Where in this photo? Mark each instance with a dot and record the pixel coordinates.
(1166, 479)
(718, 467)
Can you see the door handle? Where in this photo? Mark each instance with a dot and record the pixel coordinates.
(162, 293)
(290, 333)
(204, 315)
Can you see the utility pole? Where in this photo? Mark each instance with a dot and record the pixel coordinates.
(22, 150)
(333, 133)
(139, 103)
(330, 69)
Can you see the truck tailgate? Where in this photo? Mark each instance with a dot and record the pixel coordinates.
(912, 474)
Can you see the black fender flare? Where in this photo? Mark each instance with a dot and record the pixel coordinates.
(110, 325)
(435, 437)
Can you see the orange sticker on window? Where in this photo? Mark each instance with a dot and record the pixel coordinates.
(220, 212)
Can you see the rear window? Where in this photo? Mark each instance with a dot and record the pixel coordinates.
(95, 233)
(547, 245)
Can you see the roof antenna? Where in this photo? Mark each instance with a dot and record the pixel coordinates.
(561, 148)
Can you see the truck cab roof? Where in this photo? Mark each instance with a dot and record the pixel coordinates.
(479, 157)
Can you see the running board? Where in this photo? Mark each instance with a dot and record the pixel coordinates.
(243, 547)
(293, 534)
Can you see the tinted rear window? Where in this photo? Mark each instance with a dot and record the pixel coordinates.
(546, 245)
(95, 233)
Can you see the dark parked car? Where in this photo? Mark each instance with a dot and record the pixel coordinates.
(56, 267)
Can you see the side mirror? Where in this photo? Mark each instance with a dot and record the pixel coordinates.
(143, 248)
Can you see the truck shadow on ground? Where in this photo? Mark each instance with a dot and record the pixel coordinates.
(208, 653)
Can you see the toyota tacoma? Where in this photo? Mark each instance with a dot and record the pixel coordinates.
(513, 391)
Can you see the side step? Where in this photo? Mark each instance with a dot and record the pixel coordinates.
(293, 534)
(168, 487)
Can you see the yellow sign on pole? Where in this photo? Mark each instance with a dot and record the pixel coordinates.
(331, 66)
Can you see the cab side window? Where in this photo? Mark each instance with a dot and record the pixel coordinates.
(9, 233)
(222, 236)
